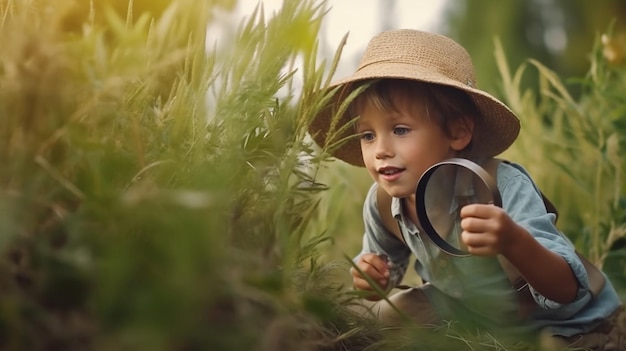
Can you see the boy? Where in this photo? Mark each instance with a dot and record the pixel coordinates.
(417, 105)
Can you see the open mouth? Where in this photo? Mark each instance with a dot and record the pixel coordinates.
(389, 170)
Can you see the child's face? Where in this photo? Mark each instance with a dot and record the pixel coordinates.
(398, 147)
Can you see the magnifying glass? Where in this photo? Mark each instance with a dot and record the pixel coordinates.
(441, 193)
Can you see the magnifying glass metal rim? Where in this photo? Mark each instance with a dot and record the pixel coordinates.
(420, 204)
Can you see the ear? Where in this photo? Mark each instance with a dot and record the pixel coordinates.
(462, 131)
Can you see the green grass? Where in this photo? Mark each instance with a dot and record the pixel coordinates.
(137, 215)
(574, 146)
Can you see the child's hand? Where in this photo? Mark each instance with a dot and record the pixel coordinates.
(376, 268)
(487, 229)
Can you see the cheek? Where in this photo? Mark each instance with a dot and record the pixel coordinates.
(366, 153)
(368, 159)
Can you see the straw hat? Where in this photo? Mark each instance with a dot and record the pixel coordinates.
(426, 57)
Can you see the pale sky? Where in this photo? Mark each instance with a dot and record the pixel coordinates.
(362, 19)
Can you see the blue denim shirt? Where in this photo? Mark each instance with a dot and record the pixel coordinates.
(476, 288)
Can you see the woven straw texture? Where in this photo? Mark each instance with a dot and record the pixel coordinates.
(421, 56)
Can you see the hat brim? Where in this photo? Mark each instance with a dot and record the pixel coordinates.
(495, 129)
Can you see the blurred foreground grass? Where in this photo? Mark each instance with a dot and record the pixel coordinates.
(153, 195)
(158, 190)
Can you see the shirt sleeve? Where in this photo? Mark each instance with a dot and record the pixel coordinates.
(523, 202)
(377, 239)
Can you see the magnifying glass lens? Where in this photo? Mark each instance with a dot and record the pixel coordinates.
(441, 193)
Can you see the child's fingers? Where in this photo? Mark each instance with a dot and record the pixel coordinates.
(370, 272)
(360, 283)
(378, 263)
(477, 210)
(374, 267)
(478, 242)
(482, 250)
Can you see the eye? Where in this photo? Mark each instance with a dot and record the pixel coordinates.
(367, 136)
(400, 130)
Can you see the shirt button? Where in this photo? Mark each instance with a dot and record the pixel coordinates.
(443, 263)
(457, 294)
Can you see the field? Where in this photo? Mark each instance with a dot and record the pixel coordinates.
(160, 192)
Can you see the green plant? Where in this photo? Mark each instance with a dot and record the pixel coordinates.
(574, 146)
(156, 194)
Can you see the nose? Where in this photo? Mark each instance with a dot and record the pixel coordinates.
(384, 148)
